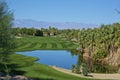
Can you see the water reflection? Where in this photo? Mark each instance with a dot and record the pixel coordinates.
(77, 53)
(83, 60)
(60, 58)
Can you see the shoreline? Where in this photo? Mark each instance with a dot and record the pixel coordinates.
(91, 75)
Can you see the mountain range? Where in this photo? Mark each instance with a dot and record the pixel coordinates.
(28, 23)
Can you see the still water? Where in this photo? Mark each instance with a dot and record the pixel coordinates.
(60, 58)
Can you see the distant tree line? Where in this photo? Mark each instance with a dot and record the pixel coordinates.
(51, 31)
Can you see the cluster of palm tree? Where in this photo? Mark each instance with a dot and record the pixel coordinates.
(100, 42)
(98, 47)
(69, 34)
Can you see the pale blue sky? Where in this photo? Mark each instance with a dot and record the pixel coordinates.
(83, 11)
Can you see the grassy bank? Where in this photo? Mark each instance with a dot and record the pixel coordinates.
(41, 43)
(44, 72)
(28, 67)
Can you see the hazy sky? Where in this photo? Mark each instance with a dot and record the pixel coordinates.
(83, 11)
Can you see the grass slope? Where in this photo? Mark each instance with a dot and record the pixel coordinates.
(28, 67)
(40, 43)
(44, 72)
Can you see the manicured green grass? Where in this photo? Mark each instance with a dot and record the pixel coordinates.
(44, 72)
(40, 43)
(39, 71)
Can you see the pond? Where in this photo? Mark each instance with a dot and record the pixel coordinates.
(60, 58)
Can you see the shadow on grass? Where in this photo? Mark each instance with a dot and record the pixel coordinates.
(12, 68)
(17, 72)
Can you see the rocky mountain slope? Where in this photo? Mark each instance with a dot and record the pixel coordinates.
(43, 24)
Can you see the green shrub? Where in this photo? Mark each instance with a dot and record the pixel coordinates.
(119, 71)
(84, 69)
(73, 68)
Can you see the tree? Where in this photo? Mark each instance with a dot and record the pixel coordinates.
(6, 37)
(38, 33)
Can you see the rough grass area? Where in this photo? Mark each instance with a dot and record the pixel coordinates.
(41, 43)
